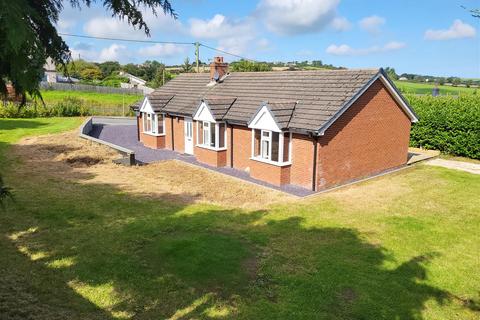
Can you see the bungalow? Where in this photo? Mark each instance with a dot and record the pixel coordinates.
(314, 129)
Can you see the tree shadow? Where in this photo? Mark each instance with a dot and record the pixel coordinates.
(136, 257)
(10, 124)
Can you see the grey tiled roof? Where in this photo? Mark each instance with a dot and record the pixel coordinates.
(318, 94)
(219, 106)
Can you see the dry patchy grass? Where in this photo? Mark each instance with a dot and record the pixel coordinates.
(69, 157)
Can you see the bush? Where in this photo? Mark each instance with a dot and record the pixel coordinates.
(449, 124)
(68, 107)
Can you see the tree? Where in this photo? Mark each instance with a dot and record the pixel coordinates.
(92, 73)
(247, 65)
(28, 36)
(187, 66)
(391, 73)
(108, 67)
(5, 192)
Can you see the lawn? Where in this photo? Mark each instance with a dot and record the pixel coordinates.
(404, 246)
(426, 88)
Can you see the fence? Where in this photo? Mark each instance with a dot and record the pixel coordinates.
(86, 87)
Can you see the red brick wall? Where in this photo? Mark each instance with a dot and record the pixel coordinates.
(370, 137)
(270, 173)
(302, 161)
(154, 142)
(178, 133)
(211, 157)
(242, 150)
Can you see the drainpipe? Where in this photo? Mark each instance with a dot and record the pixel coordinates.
(315, 152)
(231, 146)
(173, 138)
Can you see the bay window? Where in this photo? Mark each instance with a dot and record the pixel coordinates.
(153, 123)
(211, 135)
(270, 146)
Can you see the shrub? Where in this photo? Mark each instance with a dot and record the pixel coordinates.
(449, 124)
(68, 107)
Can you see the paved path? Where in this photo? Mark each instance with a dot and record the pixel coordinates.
(124, 133)
(458, 165)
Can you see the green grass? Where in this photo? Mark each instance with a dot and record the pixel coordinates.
(404, 246)
(425, 88)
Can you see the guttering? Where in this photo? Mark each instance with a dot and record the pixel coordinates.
(315, 155)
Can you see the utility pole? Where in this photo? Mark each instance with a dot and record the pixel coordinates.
(197, 55)
(163, 77)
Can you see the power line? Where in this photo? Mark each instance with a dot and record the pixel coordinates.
(157, 42)
(125, 40)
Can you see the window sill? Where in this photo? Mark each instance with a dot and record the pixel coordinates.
(278, 164)
(210, 148)
(154, 134)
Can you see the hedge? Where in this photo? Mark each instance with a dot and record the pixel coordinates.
(450, 124)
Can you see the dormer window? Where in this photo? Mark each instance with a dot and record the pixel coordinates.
(153, 123)
(270, 143)
(211, 131)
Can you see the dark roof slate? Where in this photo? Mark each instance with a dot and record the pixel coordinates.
(318, 95)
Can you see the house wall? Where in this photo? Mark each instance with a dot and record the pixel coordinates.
(242, 150)
(270, 173)
(302, 161)
(211, 157)
(370, 137)
(178, 133)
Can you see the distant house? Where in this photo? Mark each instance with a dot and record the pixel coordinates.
(51, 75)
(135, 83)
(403, 79)
(313, 129)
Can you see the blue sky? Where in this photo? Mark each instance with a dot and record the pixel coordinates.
(435, 37)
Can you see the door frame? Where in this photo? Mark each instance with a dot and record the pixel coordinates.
(185, 121)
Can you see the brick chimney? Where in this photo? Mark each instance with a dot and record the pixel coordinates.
(218, 69)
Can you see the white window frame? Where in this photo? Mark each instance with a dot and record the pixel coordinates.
(153, 118)
(281, 140)
(206, 142)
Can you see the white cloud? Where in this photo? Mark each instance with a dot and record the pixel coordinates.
(64, 25)
(341, 24)
(161, 50)
(114, 27)
(233, 36)
(372, 24)
(457, 30)
(115, 52)
(296, 16)
(346, 50)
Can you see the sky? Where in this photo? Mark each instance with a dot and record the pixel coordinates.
(432, 37)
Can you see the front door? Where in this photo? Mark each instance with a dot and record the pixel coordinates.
(188, 136)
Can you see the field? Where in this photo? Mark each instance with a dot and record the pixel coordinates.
(425, 88)
(83, 240)
(99, 103)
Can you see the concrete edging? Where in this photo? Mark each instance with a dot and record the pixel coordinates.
(85, 130)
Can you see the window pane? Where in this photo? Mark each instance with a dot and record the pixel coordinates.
(256, 147)
(144, 118)
(149, 123)
(265, 149)
(275, 145)
(221, 135)
(206, 137)
(200, 133)
(160, 124)
(212, 135)
(286, 146)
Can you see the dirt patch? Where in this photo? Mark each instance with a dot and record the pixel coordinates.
(348, 296)
(69, 157)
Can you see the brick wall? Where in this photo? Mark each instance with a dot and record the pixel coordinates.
(242, 150)
(302, 161)
(270, 173)
(154, 142)
(178, 133)
(211, 157)
(371, 137)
